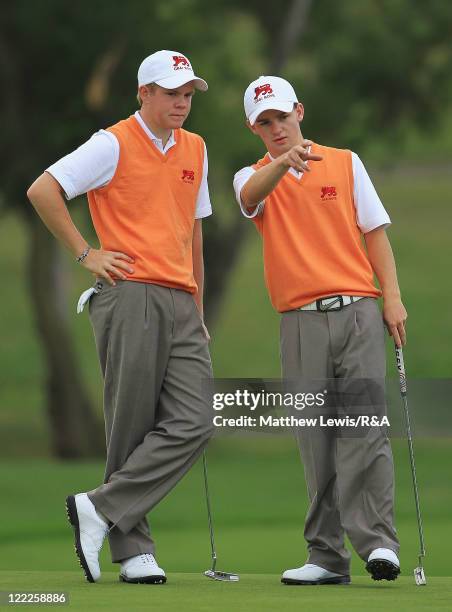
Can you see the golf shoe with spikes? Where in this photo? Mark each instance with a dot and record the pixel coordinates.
(383, 564)
(142, 569)
(89, 531)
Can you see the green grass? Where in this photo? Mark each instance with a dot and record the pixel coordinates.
(259, 503)
(256, 592)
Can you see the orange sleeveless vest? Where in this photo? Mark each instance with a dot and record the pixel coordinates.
(312, 245)
(148, 209)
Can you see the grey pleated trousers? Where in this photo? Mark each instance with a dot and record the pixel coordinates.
(350, 479)
(154, 358)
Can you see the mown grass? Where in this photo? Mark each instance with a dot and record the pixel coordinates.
(259, 504)
(262, 592)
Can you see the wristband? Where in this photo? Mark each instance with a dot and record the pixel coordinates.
(82, 257)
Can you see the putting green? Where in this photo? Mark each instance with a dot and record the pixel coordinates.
(254, 592)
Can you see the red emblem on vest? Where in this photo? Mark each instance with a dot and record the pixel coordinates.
(180, 62)
(328, 193)
(188, 176)
(262, 90)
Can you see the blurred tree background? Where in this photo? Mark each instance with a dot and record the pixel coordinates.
(374, 76)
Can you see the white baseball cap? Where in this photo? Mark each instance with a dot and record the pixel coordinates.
(169, 69)
(268, 92)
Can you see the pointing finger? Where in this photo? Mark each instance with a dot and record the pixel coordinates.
(313, 157)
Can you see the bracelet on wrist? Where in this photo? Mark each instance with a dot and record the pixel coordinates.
(81, 258)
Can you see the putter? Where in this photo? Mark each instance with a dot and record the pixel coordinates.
(419, 574)
(214, 573)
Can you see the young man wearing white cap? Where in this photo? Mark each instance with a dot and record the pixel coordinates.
(146, 181)
(313, 205)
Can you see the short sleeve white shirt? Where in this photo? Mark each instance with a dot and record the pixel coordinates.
(370, 212)
(94, 164)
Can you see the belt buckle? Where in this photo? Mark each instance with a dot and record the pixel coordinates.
(338, 303)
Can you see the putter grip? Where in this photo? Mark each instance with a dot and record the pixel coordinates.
(401, 370)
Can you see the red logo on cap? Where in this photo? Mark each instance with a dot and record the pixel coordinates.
(328, 193)
(180, 62)
(262, 90)
(188, 176)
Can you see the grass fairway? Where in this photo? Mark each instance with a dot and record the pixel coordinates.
(254, 592)
(259, 504)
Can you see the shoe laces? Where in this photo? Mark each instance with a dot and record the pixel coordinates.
(148, 558)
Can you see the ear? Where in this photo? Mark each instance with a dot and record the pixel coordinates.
(252, 128)
(299, 111)
(144, 92)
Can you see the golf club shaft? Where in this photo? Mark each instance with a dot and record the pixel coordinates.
(209, 512)
(403, 392)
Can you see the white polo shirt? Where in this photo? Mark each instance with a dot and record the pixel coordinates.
(370, 212)
(94, 164)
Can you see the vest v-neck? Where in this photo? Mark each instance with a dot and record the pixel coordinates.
(163, 156)
(298, 180)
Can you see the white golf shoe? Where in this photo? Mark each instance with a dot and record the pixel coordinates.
(90, 531)
(142, 569)
(383, 564)
(313, 574)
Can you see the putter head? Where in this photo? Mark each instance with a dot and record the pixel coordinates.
(419, 576)
(223, 576)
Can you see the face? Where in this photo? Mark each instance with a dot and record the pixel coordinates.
(279, 131)
(167, 109)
